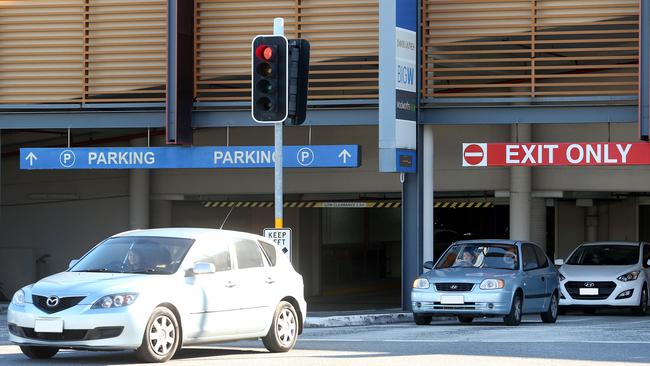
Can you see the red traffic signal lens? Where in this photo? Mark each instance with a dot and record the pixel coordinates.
(264, 52)
(268, 53)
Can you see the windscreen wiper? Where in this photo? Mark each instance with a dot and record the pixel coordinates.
(96, 270)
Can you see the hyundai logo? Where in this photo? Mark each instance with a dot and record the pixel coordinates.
(589, 284)
(453, 287)
(52, 301)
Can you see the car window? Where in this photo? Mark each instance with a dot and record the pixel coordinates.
(605, 255)
(646, 254)
(248, 254)
(529, 257)
(269, 251)
(134, 254)
(215, 253)
(542, 260)
(480, 255)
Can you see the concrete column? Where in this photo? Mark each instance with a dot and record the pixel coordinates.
(538, 222)
(427, 193)
(520, 188)
(139, 195)
(161, 213)
(591, 223)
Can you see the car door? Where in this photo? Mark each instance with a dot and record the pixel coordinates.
(534, 280)
(213, 295)
(549, 276)
(253, 282)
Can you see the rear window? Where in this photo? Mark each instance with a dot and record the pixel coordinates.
(605, 255)
(269, 251)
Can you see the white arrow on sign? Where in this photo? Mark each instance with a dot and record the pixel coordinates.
(31, 157)
(345, 155)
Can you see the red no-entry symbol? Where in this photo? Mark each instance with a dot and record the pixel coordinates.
(474, 154)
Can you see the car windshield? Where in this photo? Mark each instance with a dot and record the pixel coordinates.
(484, 255)
(131, 254)
(605, 255)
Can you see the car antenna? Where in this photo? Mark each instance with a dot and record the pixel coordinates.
(227, 216)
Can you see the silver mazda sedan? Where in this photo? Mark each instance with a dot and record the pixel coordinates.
(154, 291)
(488, 278)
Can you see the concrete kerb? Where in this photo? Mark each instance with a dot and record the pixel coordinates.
(357, 320)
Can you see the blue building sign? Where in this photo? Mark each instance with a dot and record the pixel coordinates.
(208, 157)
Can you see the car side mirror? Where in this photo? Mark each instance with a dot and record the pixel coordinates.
(428, 264)
(647, 263)
(73, 263)
(559, 262)
(203, 268)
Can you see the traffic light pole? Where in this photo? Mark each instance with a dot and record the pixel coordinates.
(278, 30)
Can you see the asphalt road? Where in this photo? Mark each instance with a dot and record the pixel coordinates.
(574, 340)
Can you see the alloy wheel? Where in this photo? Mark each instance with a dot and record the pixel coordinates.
(162, 335)
(286, 327)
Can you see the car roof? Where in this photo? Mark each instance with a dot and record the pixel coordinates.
(629, 243)
(189, 233)
(488, 241)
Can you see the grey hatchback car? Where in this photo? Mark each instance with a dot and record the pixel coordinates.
(488, 278)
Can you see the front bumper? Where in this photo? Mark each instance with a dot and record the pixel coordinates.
(476, 302)
(634, 300)
(101, 329)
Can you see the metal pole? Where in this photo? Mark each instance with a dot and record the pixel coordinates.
(278, 30)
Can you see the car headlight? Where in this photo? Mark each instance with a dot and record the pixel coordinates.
(492, 284)
(562, 278)
(115, 301)
(19, 298)
(629, 276)
(421, 283)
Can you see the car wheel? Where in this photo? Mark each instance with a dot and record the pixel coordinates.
(161, 337)
(514, 318)
(422, 319)
(465, 319)
(642, 309)
(550, 315)
(36, 352)
(283, 333)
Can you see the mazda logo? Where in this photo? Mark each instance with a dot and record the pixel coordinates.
(52, 301)
(589, 284)
(453, 287)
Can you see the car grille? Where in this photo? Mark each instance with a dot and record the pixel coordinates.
(604, 290)
(67, 335)
(466, 306)
(64, 303)
(454, 286)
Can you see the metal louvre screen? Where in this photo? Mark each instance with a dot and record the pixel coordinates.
(343, 36)
(530, 48)
(82, 51)
(125, 51)
(41, 57)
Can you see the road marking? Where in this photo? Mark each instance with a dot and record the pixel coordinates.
(468, 341)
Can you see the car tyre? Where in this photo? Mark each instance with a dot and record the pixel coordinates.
(36, 352)
(550, 315)
(422, 319)
(283, 333)
(161, 337)
(642, 309)
(465, 319)
(516, 309)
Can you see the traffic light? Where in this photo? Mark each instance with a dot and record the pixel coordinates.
(270, 91)
(298, 80)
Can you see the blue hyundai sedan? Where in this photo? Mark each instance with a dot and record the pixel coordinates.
(488, 278)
